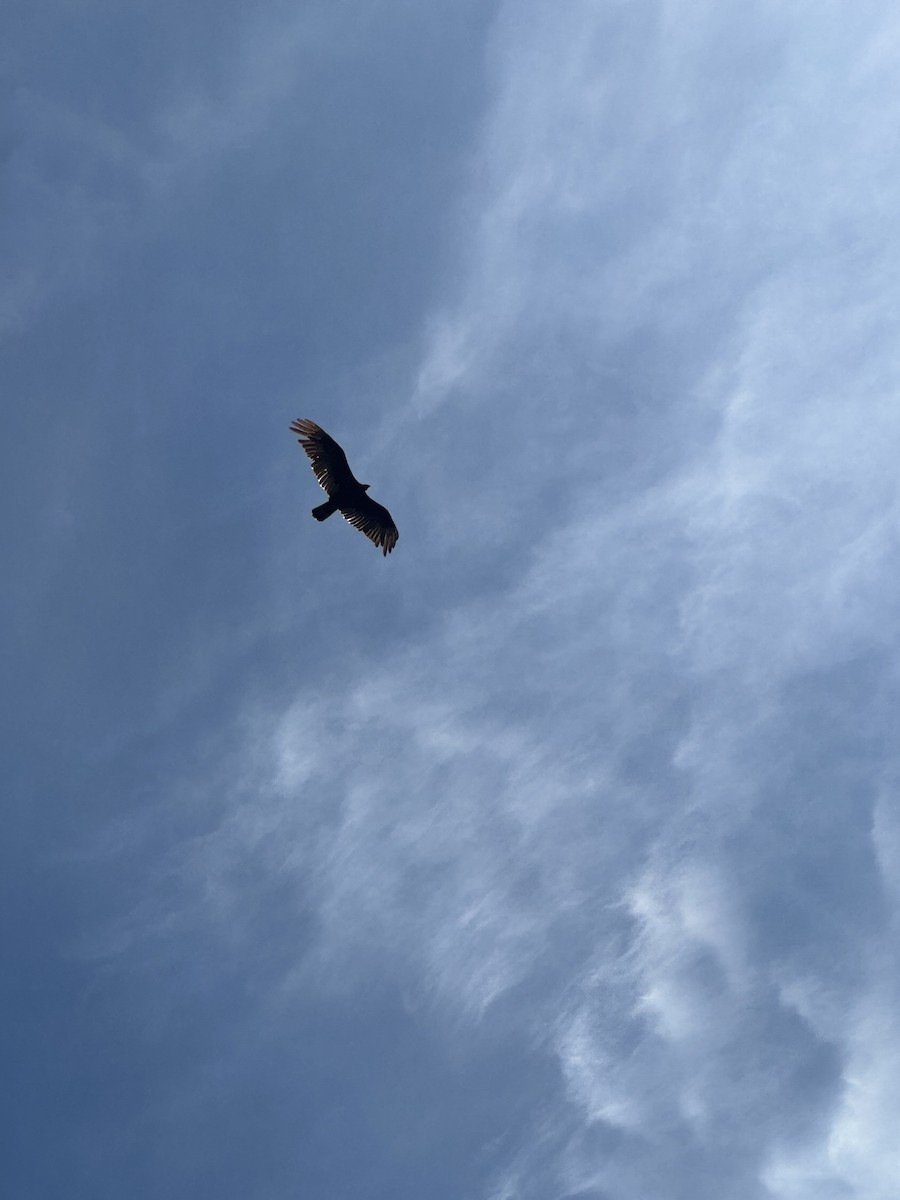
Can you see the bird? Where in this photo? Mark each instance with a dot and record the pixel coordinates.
(345, 493)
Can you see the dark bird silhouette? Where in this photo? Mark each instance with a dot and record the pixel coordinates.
(345, 493)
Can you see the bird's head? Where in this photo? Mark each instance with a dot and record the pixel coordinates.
(365, 486)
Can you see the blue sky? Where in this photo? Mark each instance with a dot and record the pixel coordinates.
(557, 856)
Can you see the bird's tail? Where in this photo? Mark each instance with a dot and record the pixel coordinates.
(324, 510)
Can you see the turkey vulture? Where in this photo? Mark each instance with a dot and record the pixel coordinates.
(344, 492)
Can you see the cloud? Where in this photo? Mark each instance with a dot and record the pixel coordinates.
(627, 776)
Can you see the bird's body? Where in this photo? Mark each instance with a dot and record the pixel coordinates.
(345, 493)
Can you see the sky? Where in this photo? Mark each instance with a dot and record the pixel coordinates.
(557, 855)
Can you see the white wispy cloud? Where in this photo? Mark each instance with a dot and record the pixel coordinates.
(636, 791)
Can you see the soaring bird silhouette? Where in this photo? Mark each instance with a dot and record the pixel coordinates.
(345, 493)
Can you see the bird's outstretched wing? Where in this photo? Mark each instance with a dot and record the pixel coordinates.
(375, 522)
(329, 462)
